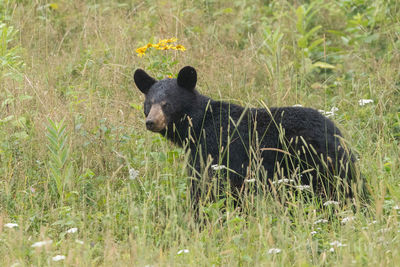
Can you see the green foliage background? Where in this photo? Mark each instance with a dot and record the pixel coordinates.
(72, 129)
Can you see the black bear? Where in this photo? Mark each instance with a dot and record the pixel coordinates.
(292, 144)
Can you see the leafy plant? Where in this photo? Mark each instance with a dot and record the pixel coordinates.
(161, 64)
(10, 60)
(59, 164)
(307, 44)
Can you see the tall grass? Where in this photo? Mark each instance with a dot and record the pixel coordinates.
(72, 61)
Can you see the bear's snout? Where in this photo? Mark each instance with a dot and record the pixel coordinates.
(156, 120)
(149, 124)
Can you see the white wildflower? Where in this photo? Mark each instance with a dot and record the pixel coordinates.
(363, 102)
(337, 244)
(217, 167)
(182, 251)
(302, 187)
(42, 243)
(397, 207)
(133, 174)
(58, 258)
(313, 232)
(330, 113)
(321, 221)
(11, 225)
(72, 230)
(250, 180)
(331, 250)
(79, 241)
(297, 105)
(347, 219)
(274, 251)
(285, 180)
(331, 202)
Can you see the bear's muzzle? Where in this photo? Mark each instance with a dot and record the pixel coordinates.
(156, 120)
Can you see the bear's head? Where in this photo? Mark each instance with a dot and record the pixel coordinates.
(167, 101)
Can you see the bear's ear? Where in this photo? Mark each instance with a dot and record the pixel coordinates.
(187, 78)
(143, 80)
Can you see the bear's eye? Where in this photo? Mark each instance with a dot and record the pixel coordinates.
(165, 105)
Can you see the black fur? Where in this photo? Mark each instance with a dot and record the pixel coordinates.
(304, 144)
(143, 81)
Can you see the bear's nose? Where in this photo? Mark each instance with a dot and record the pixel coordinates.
(150, 124)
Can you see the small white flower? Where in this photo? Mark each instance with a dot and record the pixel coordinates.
(330, 113)
(323, 112)
(321, 221)
(72, 230)
(331, 250)
(250, 180)
(58, 258)
(363, 102)
(313, 232)
(297, 105)
(41, 243)
(79, 241)
(217, 167)
(331, 202)
(302, 187)
(337, 244)
(182, 251)
(347, 219)
(133, 174)
(11, 225)
(274, 251)
(397, 207)
(285, 180)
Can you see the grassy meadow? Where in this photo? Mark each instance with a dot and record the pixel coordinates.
(79, 170)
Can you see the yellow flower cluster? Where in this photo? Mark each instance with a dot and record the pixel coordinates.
(164, 44)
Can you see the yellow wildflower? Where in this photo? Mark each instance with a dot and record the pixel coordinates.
(180, 48)
(163, 44)
(172, 40)
(165, 47)
(53, 6)
(141, 51)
